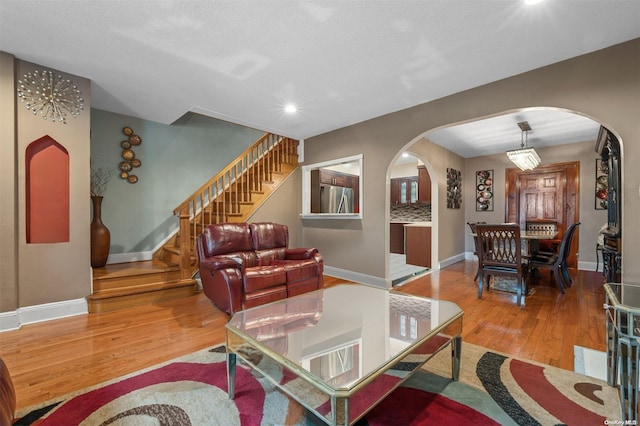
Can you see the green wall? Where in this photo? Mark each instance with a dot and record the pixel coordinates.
(176, 160)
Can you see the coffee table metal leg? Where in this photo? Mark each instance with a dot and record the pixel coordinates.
(334, 410)
(456, 352)
(231, 374)
(346, 411)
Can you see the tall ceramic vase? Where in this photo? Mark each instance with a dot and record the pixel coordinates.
(100, 235)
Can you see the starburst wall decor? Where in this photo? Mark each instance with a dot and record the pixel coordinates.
(50, 96)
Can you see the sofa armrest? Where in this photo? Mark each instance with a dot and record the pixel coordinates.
(223, 287)
(221, 262)
(300, 253)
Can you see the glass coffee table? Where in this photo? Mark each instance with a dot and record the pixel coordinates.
(622, 303)
(341, 350)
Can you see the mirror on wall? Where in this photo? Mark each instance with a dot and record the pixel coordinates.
(333, 189)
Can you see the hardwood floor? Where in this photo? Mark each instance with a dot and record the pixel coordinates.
(57, 357)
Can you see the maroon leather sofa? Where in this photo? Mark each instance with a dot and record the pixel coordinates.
(7, 396)
(244, 265)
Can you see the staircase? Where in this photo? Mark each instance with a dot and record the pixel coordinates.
(233, 195)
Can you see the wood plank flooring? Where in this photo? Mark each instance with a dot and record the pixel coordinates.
(50, 359)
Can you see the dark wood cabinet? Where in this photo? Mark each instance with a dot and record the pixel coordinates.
(418, 245)
(396, 237)
(608, 147)
(404, 190)
(424, 185)
(411, 189)
(330, 177)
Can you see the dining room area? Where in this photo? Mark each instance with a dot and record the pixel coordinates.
(512, 259)
(536, 239)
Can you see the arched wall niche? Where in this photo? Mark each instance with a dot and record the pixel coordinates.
(47, 192)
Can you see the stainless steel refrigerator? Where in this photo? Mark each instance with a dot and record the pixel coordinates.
(336, 199)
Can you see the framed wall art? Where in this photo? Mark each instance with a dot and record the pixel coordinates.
(484, 191)
(454, 188)
(602, 188)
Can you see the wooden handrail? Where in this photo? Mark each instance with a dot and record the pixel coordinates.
(229, 189)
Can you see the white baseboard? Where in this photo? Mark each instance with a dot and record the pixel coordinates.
(589, 266)
(451, 260)
(9, 321)
(39, 313)
(356, 277)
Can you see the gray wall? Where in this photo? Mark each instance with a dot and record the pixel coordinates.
(176, 160)
(603, 85)
(283, 206)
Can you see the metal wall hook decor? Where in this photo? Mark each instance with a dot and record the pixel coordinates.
(129, 156)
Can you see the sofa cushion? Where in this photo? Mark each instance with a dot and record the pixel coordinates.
(303, 286)
(298, 269)
(7, 395)
(226, 238)
(266, 235)
(266, 295)
(262, 277)
(268, 256)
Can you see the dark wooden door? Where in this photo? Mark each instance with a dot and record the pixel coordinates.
(549, 191)
(542, 198)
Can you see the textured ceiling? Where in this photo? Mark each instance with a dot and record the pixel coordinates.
(340, 62)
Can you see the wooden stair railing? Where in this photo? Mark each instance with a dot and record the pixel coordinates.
(223, 196)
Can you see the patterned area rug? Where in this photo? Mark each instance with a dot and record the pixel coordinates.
(507, 284)
(494, 389)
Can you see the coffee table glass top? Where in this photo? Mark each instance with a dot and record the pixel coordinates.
(345, 333)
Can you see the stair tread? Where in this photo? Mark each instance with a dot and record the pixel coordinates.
(140, 288)
(118, 270)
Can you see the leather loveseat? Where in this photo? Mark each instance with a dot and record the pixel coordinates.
(244, 265)
(7, 396)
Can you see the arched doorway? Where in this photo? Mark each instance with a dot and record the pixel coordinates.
(410, 253)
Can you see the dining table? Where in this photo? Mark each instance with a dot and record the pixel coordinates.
(529, 244)
(530, 240)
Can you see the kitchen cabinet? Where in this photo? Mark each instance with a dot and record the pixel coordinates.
(418, 244)
(404, 190)
(330, 177)
(396, 237)
(424, 185)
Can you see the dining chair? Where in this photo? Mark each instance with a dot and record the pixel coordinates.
(546, 226)
(500, 254)
(472, 226)
(557, 263)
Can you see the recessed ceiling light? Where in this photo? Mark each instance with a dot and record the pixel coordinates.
(290, 109)
(405, 155)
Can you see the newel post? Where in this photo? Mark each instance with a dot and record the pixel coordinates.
(185, 244)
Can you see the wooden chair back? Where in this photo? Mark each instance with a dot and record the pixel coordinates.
(550, 246)
(542, 226)
(565, 245)
(472, 227)
(500, 254)
(499, 246)
(558, 263)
